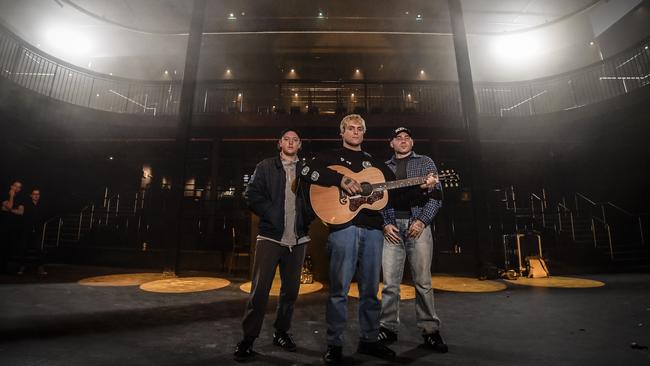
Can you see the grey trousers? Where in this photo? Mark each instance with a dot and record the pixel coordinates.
(268, 255)
(419, 253)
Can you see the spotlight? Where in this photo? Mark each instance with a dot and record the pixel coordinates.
(352, 95)
(232, 16)
(517, 48)
(421, 72)
(418, 17)
(357, 71)
(321, 14)
(227, 71)
(292, 71)
(68, 41)
(591, 43)
(296, 95)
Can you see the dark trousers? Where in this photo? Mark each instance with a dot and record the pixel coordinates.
(10, 244)
(268, 255)
(31, 251)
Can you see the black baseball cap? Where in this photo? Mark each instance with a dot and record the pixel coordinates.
(287, 130)
(399, 130)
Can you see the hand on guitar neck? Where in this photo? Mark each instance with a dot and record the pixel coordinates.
(430, 182)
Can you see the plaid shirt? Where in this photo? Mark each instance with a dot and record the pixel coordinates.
(417, 166)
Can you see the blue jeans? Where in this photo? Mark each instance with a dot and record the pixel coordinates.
(419, 253)
(354, 249)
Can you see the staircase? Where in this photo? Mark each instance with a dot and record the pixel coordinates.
(586, 226)
(110, 215)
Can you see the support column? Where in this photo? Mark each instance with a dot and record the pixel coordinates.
(183, 130)
(472, 139)
(215, 219)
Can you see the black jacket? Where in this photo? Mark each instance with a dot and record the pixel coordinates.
(265, 197)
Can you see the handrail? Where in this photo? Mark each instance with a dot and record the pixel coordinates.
(559, 217)
(585, 198)
(608, 203)
(609, 234)
(542, 205)
(58, 234)
(30, 68)
(81, 215)
(630, 215)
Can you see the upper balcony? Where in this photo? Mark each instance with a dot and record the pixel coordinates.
(32, 69)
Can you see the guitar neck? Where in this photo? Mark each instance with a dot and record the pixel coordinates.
(400, 183)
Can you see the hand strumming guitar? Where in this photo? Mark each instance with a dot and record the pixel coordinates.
(350, 186)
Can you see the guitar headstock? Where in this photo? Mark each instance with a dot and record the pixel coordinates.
(449, 178)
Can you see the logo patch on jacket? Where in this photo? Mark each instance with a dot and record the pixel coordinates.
(366, 164)
(314, 175)
(304, 170)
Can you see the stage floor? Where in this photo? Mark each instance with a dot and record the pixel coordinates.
(56, 320)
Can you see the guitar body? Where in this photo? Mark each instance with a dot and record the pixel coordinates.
(334, 206)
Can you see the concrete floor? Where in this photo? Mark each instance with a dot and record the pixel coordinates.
(52, 320)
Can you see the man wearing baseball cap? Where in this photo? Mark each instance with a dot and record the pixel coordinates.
(407, 234)
(285, 215)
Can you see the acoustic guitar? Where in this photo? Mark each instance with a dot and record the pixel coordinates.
(334, 206)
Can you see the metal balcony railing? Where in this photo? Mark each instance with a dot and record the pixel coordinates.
(29, 67)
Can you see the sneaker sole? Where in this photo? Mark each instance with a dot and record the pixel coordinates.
(288, 349)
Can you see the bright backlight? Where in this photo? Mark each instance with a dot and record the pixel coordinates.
(517, 47)
(68, 41)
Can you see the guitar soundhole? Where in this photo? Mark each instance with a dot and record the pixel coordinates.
(355, 203)
(366, 189)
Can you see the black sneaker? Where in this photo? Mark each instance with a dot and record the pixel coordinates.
(435, 342)
(376, 349)
(333, 356)
(386, 336)
(244, 351)
(284, 340)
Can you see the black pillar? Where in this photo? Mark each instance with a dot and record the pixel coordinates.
(472, 138)
(183, 130)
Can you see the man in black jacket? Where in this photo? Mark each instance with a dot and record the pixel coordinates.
(285, 216)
